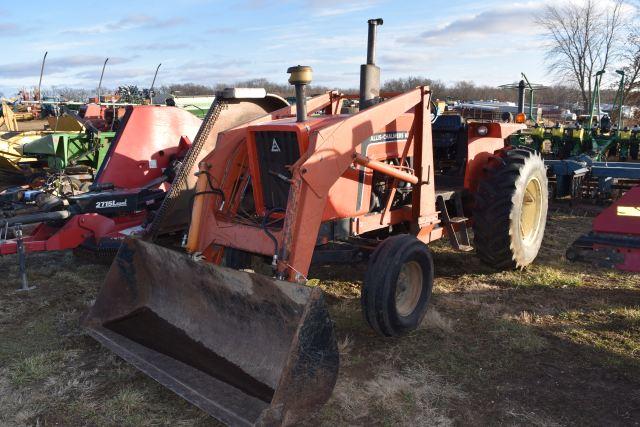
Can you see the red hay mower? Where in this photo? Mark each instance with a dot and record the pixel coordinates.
(144, 161)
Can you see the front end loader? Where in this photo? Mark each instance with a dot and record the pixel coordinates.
(311, 185)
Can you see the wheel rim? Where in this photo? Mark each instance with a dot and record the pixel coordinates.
(408, 288)
(531, 210)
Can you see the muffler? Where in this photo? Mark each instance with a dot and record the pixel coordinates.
(370, 72)
(245, 348)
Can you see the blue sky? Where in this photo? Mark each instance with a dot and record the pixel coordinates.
(209, 41)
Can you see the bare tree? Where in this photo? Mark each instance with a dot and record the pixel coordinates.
(631, 57)
(187, 89)
(71, 93)
(583, 39)
(408, 83)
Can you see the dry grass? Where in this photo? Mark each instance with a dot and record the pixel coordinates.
(613, 331)
(35, 368)
(555, 344)
(435, 321)
(519, 337)
(539, 275)
(412, 396)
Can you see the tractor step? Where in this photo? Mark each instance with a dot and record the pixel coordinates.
(458, 235)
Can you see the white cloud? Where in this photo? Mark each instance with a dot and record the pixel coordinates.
(160, 46)
(342, 8)
(7, 27)
(117, 74)
(129, 22)
(504, 21)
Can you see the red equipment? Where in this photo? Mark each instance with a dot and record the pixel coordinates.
(151, 148)
(614, 241)
(148, 141)
(101, 117)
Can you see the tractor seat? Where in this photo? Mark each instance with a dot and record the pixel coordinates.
(449, 133)
(446, 130)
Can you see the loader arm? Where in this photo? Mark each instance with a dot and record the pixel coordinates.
(330, 154)
(206, 229)
(329, 102)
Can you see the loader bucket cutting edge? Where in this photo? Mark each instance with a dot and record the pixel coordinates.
(244, 348)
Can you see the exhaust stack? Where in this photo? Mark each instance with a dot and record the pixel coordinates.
(300, 77)
(369, 72)
(521, 96)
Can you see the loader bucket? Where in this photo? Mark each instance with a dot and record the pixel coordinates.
(245, 348)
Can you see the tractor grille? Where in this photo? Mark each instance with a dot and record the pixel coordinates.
(276, 151)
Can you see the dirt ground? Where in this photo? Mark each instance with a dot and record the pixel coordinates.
(556, 344)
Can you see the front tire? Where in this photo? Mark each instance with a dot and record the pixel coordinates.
(511, 210)
(397, 286)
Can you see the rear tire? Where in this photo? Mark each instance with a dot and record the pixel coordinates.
(510, 210)
(397, 285)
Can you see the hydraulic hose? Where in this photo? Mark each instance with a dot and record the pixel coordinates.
(268, 233)
(36, 217)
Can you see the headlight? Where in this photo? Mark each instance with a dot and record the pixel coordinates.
(482, 130)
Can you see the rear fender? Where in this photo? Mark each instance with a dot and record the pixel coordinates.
(480, 149)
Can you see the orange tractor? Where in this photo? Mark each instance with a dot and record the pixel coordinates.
(309, 185)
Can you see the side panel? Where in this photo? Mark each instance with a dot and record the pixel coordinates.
(622, 217)
(145, 144)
